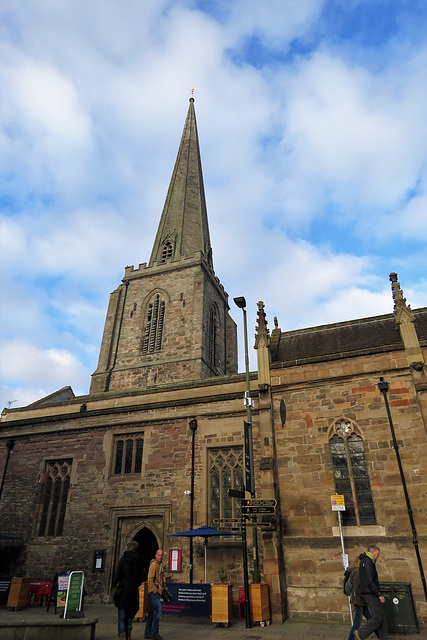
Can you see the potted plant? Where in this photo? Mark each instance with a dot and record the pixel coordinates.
(259, 600)
(222, 602)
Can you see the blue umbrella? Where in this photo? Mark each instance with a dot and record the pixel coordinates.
(203, 532)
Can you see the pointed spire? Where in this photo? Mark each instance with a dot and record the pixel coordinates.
(400, 307)
(183, 227)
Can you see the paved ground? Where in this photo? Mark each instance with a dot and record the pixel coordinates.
(185, 628)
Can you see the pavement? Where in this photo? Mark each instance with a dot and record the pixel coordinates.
(186, 628)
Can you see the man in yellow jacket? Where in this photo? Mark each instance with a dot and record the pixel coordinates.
(156, 585)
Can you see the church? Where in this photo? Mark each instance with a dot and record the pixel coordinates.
(159, 440)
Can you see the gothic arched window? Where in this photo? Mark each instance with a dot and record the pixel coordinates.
(213, 336)
(167, 250)
(153, 336)
(351, 473)
(225, 472)
(56, 485)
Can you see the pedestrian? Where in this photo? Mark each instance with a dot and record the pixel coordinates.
(128, 577)
(356, 598)
(156, 586)
(370, 589)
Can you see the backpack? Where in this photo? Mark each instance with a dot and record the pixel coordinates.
(346, 584)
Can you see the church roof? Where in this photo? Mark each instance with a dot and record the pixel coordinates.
(184, 222)
(367, 335)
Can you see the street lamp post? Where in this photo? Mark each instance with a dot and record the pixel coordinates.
(241, 303)
(193, 426)
(383, 387)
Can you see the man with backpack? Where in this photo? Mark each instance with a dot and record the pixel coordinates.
(370, 589)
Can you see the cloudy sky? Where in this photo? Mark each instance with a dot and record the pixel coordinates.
(312, 125)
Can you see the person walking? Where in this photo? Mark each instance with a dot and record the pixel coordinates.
(370, 590)
(356, 598)
(156, 586)
(128, 576)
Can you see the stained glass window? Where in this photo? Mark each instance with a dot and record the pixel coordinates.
(351, 473)
(225, 472)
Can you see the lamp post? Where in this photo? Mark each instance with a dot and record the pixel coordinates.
(383, 387)
(9, 446)
(241, 303)
(193, 426)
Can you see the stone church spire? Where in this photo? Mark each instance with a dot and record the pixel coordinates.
(183, 227)
(168, 321)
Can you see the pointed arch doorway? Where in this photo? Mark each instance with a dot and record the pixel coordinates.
(148, 546)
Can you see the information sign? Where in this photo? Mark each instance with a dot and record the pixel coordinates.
(224, 520)
(261, 503)
(337, 503)
(260, 509)
(235, 493)
(74, 593)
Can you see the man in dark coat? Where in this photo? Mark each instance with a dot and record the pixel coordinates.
(370, 589)
(129, 576)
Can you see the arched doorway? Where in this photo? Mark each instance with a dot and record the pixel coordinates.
(147, 549)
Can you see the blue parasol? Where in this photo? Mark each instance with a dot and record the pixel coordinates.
(203, 532)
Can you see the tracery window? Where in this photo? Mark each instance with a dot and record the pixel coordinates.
(213, 333)
(167, 250)
(153, 336)
(351, 473)
(127, 454)
(225, 472)
(54, 494)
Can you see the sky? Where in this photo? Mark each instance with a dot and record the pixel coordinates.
(313, 134)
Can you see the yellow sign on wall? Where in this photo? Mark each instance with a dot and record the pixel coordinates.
(337, 503)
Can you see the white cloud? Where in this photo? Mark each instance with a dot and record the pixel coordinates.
(92, 117)
(25, 366)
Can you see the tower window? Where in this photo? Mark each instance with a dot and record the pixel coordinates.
(213, 334)
(167, 250)
(153, 336)
(54, 497)
(351, 473)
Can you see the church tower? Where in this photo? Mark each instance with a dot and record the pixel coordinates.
(168, 321)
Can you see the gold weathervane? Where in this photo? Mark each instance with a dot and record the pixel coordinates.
(192, 89)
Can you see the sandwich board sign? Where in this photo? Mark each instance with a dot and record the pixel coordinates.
(73, 602)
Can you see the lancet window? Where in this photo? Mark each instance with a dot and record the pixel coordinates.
(351, 473)
(153, 336)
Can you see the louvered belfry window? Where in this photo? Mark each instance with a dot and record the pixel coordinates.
(213, 333)
(153, 336)
(56, 485)
(167, 250)
(351, 473)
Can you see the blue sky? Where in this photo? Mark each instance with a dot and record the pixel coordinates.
(312, 124)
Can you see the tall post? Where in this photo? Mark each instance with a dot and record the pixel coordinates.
(343, 554)
(383, 387)
(193, 427)
(9, 446)
(241, 303)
